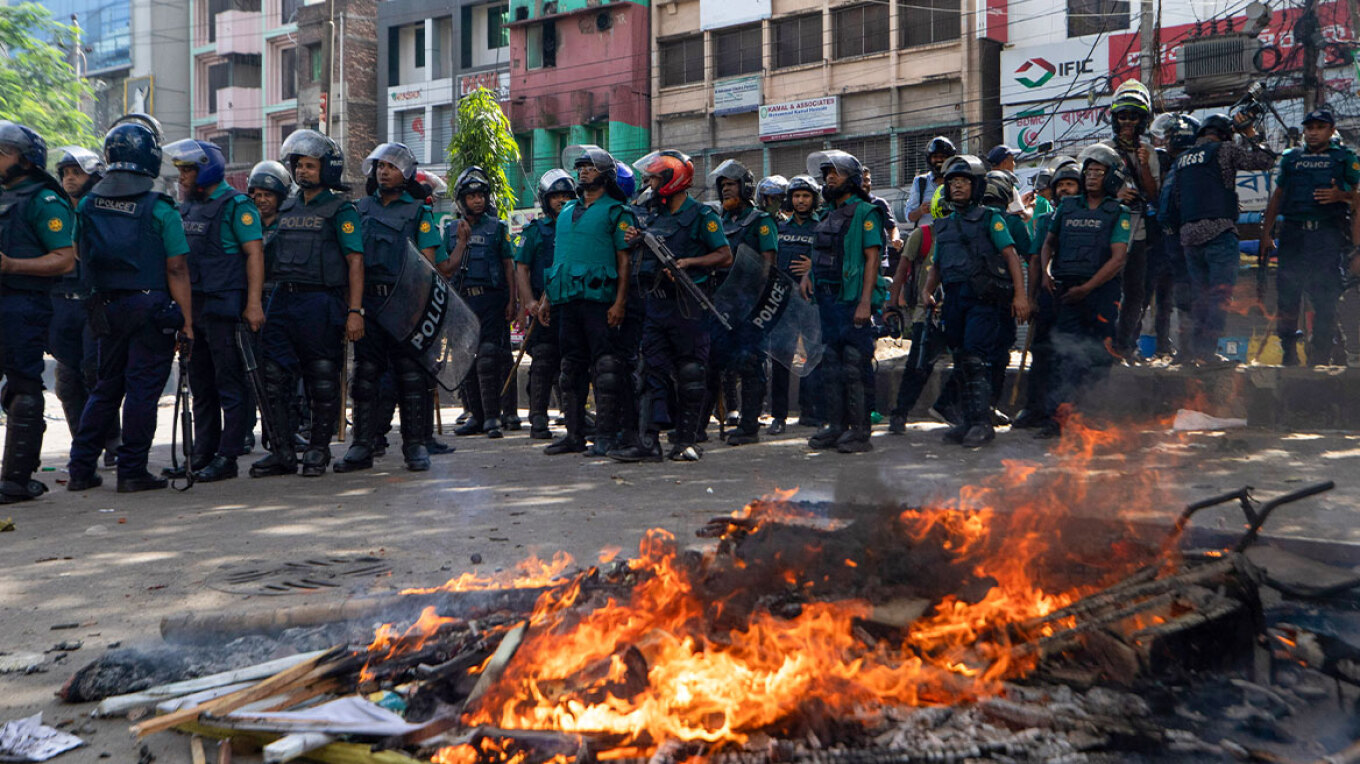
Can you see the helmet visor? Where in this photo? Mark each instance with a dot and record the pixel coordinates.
(12, 138)
(88, 161)
(187, 152)
(307, 143)
(555, 181)
(587, 153)
(730, 169)
(842, 162)
(395, 154)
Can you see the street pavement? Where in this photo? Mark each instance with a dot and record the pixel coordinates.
(116, 564)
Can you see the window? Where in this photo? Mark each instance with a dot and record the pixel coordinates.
(314, 62)
(737, 51)
(289, 10)
(873, 153)
(497, 35)
(1095, 16)
(411, 130)
(441, 132)
(925, 21)
(419, 46)
(541, 45)
(393, 56)
(288, 73)
(798, 40)
(219, 77)
(913, 152)
(682, 61)
(860, 29)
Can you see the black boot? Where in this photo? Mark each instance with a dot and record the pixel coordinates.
(572, 390)
(220, 468)
(323, 387)
(538, 427)
(416, 428)
(833, 398)
(359, 455)
(646, 448)
(71, 391)
(777, 427)
(488, 384)
(855, 440)
(23, 446)
(752, 403)
(542, 374)
(977, 404)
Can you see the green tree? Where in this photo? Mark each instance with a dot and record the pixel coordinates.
(484, 139)
(38, 87)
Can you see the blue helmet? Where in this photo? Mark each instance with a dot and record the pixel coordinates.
(132, 146)
(310, 143)
(28, 144)
(204, 156)
(624, 176)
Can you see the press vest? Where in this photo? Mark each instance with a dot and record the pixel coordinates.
(119, 241)
(584, 260)
(211, 268)
(386, 230)
(542, 258)
(18, 239)
(306, 246)
(795, 241)
(1084, 241)
(828, 244)
(1200, 181)
(482, 261)
(677, 231)
(963, 247)
(1305, 173)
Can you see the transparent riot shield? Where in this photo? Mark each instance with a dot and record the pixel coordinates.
(768, 301)
(431, 321)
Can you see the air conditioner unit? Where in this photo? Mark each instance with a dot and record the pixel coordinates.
(1218, 64)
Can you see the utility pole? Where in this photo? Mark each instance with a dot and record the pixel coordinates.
(1307, 28)
(328, 56)
(1148, 53)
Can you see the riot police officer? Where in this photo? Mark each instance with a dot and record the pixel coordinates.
(534, 257)
(772, 196)
(675, 342)
(482, 259)
(1314, 193)
(1206, 203)
(36, 249)
(586, 298)
(132, 240)
(69, 340)
(739, 351)
(794, 257)
(1083, 254)
(1001, 195)
(226, 271)
(974, 258)
(317, 303)
(393, 217)
(848, 243)
(268, 186)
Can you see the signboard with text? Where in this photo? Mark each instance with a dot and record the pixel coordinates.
(495, 80)
(800, 119)
(736, 96)
(1066, 69)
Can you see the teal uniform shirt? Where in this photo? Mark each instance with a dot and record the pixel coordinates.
(1019, 231)
(997, 229)
(529, 242)
(166, 222)
(762, 235)
(346, 222)
(244, 225)
(51, 216)
(707, 230)
(1042, 207)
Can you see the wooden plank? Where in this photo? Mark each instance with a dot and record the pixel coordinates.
(284, 680)
(196, 752)
(499, 660)
(335, 753)
(121, 704)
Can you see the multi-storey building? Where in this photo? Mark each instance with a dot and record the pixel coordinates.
(579, 73)
(341, 32)
(769, 81)
(132, 53)
(431, 52)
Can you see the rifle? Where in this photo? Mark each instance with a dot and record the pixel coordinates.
(523, 345)
(184, 418)
(667, 259)
(255, 378)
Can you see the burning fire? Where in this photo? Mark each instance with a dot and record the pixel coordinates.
(675, 660)
(530, 573)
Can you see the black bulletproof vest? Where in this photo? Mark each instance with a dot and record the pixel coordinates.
(828, 244)
(386, 231)
(963, 246)
(119, 241)
(1084, 239)
(211, 269)
(18, 239)
(306, 247)
(482, 260)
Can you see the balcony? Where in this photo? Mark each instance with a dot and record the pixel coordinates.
(240, 32)
(239, 107)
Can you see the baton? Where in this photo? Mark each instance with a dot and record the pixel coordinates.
(1024, 358)
(251, 366)
(184, 420)
(523, 345)
(348, 354)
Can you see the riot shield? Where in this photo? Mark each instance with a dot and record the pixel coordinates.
(769, 301)
(431, 321)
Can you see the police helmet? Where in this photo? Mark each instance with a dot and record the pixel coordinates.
(89, 162)
(143, 119)
(627, 182)
(270, 176)
(555, 182)
(588, 154)
(774, 185)
(806, 183)
(431, 184)
(1180, 132)
(395, 154)
(310, 143)
(1069, 170)
(941, 145)
(731, 169)
(674, 168)
(473, 180)
(133, 147)
(969, 166)
(1219, 123)
(1108, 158)
(22, 140)
(818, 162)
(999, 189)
(204, 156)
(1044, 178)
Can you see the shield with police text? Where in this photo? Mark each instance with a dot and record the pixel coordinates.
(431, 321)
(767, 300)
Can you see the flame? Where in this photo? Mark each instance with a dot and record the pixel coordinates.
(530, 573)
(387, 642)
(674, 662)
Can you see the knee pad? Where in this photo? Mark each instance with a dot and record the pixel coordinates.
(691, 379)
(610, 373)
(323, 377)
(69, 381)
(488, 350)
(487, 362)
(364, 386)
(851, 356)
(21, 404)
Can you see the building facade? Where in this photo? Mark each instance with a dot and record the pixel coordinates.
(430, 53)
(132, 53)
(343, 33)
(579, 73)
(768, 82)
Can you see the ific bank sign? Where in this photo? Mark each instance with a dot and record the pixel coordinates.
(1066, 69)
